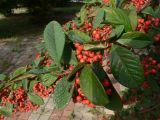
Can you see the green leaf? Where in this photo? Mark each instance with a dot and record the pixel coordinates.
(78, 36)
(94, 46)
(135, 40)
(126, 67)
(5, 112)
(25, 84)
(54, 38)
(2, 77)
(83, 14)
(18, 72)
(73, 60)
(115, 103)
(48, 79)
(37, 62)
(63, 93)
(98, 70)
(133, 18)
(153, 83)
(115, 100)
(15, 86)
(75, 70)
(67, 54)
(157, 12)
(118, 17)
(113, 3)
(35, 99)
(91, 87)
(38, 71)
(149, 11)
(99, 18)
(118, 30)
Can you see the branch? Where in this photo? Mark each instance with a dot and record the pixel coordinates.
(150, 109)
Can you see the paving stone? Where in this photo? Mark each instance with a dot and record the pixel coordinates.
(24, 116)
(56, 114)
(34, 116)
(44, 117)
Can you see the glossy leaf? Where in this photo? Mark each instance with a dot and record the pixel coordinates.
(99, 18)
(75, 70)
(98, 70)
(67, 54)
(135, 40)
(83, 14)
(48, 79)
(73, 60)
(118, 30)
(115, 103)
(126, 67)
(94, 46)
(54, 38)
(38, 71)
(149, 11)
(92, 87)
(18, 72)
(35, 99)
(78, 36)
(63, 93)
(133, 18)
(118, 17)
(25, 84)
(115, 100)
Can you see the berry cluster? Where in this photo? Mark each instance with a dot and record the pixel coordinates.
(46, 61)
(19, 99)
(157, 37)
(79, 97)
(138, 4)
(144, 25)
(87, 56)
(42, 91)
(102, 33)
(151, 67)
(72, 26)
(87, 26)
(107, 85)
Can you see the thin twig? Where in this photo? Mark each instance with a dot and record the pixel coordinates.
(150, 109)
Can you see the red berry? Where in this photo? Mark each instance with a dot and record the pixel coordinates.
(153, 71)
(154, 62)
(158, 66)
(76, 45)
(79, 98)
(109, 91)
(82, 60)
(77, 81)
(105, 83)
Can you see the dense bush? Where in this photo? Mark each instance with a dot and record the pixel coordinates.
(35, 7)
(6, 6)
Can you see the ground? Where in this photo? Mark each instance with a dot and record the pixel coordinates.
(19, 36)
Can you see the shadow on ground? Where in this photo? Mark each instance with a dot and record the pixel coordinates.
(24, 24)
